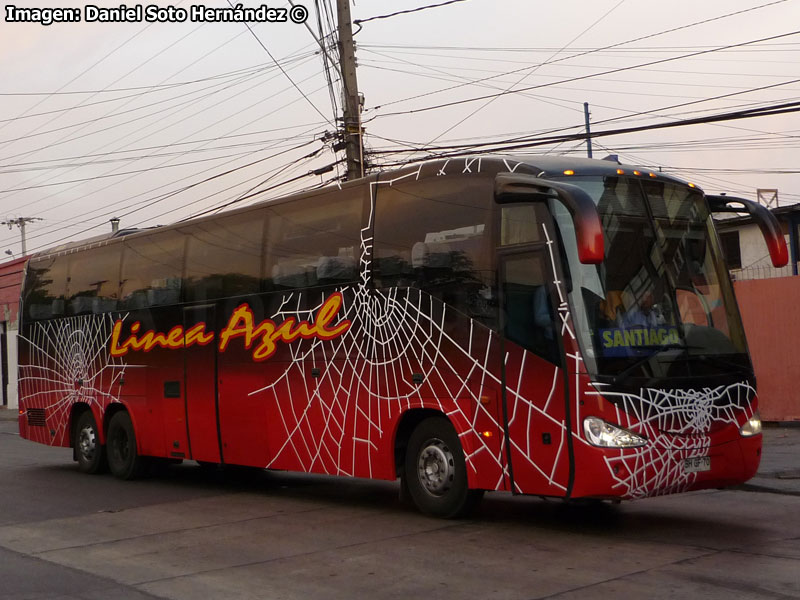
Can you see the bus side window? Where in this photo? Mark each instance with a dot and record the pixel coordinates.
(223, 257)
(93, 284)
(529, 318)
(46, 287)
(434, 235)
(314, 241)
(152, 268)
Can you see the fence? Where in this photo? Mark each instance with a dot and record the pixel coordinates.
(771, 316)
(761, 272)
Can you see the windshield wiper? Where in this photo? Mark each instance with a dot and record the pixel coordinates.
(718, 360)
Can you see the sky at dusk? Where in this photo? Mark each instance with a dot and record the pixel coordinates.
(156, 122)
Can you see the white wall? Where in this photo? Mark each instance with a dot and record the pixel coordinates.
(11, 348)
(755, 257)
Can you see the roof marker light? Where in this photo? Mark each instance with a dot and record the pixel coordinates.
(569, 172)
(691, 185)
(637, 173)
(620, 172)
(653, 175)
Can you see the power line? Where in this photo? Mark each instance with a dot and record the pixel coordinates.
(581, 78)
(152, 201)
(302, 93)
(517, 144)
(404, 12)
(162, 116)
(526, 74)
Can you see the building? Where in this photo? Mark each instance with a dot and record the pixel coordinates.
(11, 274)
(744, 248)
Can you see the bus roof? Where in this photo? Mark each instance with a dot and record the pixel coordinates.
(543, 166)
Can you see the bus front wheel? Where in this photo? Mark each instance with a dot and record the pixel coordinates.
(123, 459)
(89, 453)
(435, 471)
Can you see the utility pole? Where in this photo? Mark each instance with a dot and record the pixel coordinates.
(20, 222)
(588, 130)
(354, 147)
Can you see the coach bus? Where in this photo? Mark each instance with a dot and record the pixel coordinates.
(556, 327)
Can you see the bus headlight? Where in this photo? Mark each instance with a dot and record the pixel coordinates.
(752, 426)
(605, 435)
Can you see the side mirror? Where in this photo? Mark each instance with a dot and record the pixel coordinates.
(766, 221)
(510, 187)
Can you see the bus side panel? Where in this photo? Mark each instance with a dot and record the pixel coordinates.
(63, 362)
(36, 398)
(317, 414)
(536, 423)
(243, 408)
(199, 369)
(157, 372)
(439, 370)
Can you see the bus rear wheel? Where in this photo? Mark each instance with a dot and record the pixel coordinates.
(436, 473)
(123, 459)
(89, 453)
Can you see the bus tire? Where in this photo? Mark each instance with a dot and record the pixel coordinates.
(123, 459)
(89, 453)
(436, 473)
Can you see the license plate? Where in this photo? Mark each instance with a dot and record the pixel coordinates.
(697, 464)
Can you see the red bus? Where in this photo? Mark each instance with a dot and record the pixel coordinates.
(548, 326)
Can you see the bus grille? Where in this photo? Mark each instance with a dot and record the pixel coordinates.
(36, 417)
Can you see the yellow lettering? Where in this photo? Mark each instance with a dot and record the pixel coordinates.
(233, 329)
(116, 349)
(240, 325)
(326, 315)
(196, 334)
(629, 338)
(608, 339)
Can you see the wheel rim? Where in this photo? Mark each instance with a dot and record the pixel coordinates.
(436, 467)
(87, 442)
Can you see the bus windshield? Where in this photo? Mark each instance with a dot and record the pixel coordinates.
(661, 303)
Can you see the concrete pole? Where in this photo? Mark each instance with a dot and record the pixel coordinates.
(588, 130)
(354, 152)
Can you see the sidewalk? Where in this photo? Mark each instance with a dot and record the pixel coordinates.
(779, 472)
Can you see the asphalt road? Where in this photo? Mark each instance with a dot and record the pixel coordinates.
(190, 534)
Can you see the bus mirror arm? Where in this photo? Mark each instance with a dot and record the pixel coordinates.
(766, 221)
(511, 187)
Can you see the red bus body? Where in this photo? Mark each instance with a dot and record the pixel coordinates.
(329, 368)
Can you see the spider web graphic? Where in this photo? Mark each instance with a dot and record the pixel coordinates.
(68, 360)
(401, 352)
(676, 423)
(365, 384)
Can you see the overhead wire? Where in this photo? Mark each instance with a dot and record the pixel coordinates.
(525, 75)
(163, 116)
(405, 12)
(577, 78)
(302, 93)
(147, 203)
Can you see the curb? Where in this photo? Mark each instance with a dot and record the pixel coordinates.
(7, 414)
(765, 489)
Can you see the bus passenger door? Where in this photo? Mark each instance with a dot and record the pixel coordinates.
(533, 376)
(200, 381)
